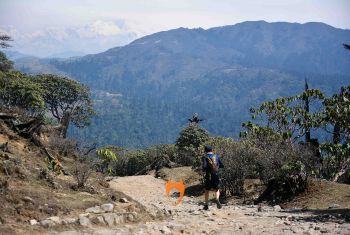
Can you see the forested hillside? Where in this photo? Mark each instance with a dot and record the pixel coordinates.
(144, 91)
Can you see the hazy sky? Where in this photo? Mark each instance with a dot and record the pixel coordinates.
(46, 27)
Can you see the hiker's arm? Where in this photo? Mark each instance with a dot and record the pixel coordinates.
(220, 164)
(204, 164)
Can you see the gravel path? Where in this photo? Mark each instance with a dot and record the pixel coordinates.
(189, 218)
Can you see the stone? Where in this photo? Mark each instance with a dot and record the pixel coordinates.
(287, 222)
(69, 220)
(84, 215)
(123, 200)
(307, 233)
(98, 220)
(33, 222)
(333, 206)
(176, 226)
(84, 221)
(28, 199)
(119, 219)
(47, 223)
(55, 219)
(95, 210)
(165, 230)
(277, 208)
(108, 207)
(109, 218)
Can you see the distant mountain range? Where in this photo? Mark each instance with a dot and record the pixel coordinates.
(146, 90)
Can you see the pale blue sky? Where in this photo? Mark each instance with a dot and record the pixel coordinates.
(108, 23)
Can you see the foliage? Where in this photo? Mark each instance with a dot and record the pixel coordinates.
(190, 144)
(238, 160)
(82, 169)
(5, 64)
(108, 155)
(337, 113)
(4, 39)
(290, 180)
(335, 158)
(67, 100)
(286, 116)
(18, 89)
(261, 158)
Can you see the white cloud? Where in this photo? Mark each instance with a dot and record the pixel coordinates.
(94, 37)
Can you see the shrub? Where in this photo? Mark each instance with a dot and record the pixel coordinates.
(238, 160)
(261, 158)
(189, 144)
(82, 170)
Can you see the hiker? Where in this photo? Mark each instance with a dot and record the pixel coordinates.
(211, 165)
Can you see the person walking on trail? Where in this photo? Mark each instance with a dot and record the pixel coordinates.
(211, 166)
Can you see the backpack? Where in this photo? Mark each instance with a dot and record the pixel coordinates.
(212, 164)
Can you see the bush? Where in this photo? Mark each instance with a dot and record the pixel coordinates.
(238, 160)
(190, 144)
(82, 170)
(261, 158)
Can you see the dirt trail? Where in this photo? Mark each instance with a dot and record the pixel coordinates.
(189, 218)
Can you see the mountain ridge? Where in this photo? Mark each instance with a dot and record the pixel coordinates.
(165, 77)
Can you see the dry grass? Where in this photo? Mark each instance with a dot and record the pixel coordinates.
(322, 195)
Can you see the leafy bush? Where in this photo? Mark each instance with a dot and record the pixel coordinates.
(190, 144)
(261, 158)
(108, 155)
(336, 161)
(17, 89)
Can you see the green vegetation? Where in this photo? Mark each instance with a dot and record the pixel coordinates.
(52, 96)
(67, 100)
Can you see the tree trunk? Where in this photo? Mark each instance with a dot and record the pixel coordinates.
(336, 134)
(343, 170)
(64, 125)
(307, 109)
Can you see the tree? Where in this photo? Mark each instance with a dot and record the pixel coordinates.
(288, 117)
(190, 143)
(4, 39)
(5, 64)
(18, 89)
(67, 100)
(346, 46)
(337, 113)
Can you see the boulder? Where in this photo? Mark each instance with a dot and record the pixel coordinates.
(55, 219)
(47, 223)
(98, 220)
(108, 207)
(119, 219)
(165, 230)
(28, 199)
(69, 220)
(33, 222)
(95, 210)
(277, 208)
(84, 221)
(109, 218)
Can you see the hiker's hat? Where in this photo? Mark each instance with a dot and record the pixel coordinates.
(208, 148)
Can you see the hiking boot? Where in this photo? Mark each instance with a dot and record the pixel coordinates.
(218, 204)
(205, 207)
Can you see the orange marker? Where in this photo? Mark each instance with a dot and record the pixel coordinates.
(180, 186)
